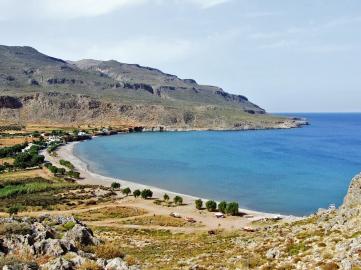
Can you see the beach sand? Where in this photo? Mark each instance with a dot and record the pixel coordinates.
(66, 152)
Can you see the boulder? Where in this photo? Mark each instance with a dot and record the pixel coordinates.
(116, 264)
(82, 235)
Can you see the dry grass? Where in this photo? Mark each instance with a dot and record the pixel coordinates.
(110, 213)
(15, 140)
(7, 160)
(157, 221)
(90, 265)
(109, 250)
(25, 174)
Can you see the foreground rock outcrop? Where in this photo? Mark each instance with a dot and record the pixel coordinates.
(53, 243)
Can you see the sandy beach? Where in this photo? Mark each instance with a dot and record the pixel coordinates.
(66, 152)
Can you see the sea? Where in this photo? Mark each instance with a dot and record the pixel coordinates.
(285, 171)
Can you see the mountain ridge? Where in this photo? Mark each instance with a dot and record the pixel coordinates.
(95, 91)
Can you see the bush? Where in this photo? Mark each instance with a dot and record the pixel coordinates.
(15, 209)
(166, 197)
(222, 206)
(136, 193)
(66, 164)
(211, 206)
(69, 225)
(232, 209)
(73, 174)
(126, 191)
(199, 204)
(178, 200)
(115, 185)
(146, 193)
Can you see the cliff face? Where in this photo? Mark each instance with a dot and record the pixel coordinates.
(39, 88)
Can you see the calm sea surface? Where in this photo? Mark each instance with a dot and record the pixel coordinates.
(280, 171)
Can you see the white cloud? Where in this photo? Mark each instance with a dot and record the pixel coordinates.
(70, 9)
(84, 8)
(204, 4)
(144, 50)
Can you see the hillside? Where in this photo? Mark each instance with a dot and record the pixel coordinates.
(36, 88)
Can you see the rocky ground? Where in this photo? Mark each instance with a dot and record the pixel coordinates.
(52, 243)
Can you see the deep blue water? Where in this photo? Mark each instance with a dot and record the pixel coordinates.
(292, 171)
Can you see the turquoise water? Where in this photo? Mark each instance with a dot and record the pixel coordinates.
(280, 171)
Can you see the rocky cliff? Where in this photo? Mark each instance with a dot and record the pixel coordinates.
(36, 88)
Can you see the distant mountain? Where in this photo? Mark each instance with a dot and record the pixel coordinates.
(36, 88)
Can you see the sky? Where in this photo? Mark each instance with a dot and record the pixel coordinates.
(286, 56)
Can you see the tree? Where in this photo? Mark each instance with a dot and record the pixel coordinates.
(222, 206)
(232, 209)
(178, 200)
(166, 197)
(136, 193)
(146, 193)
(199, 204)
(211, 206)
(126, 191)
(73, 174)
(115, 185)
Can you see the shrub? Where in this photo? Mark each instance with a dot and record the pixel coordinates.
(222, 206)
(136, 193)
(146, 193)
(211, 206)
(166, 197)
(178, 200)
(69, 225)
(126, 191)
(15, 209)
(66, 164)
(115, 185)
(199, 204)
(232, 208)
(73, 174)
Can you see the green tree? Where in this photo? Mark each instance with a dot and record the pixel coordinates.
(211, 206)
(166, 197)
(199, 204)
(232, 209)
(115, 185)
(178, 200)
(126, 191)
(222, 206)
(146, 193)
(136, 193)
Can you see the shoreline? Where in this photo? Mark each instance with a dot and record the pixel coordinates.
(90, 177)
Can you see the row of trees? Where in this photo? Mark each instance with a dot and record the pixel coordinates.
(11, 151)
(231, 208)
(178, 200)
(145, 193)
(61, 171)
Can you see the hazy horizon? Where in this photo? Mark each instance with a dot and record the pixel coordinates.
(284, 56)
